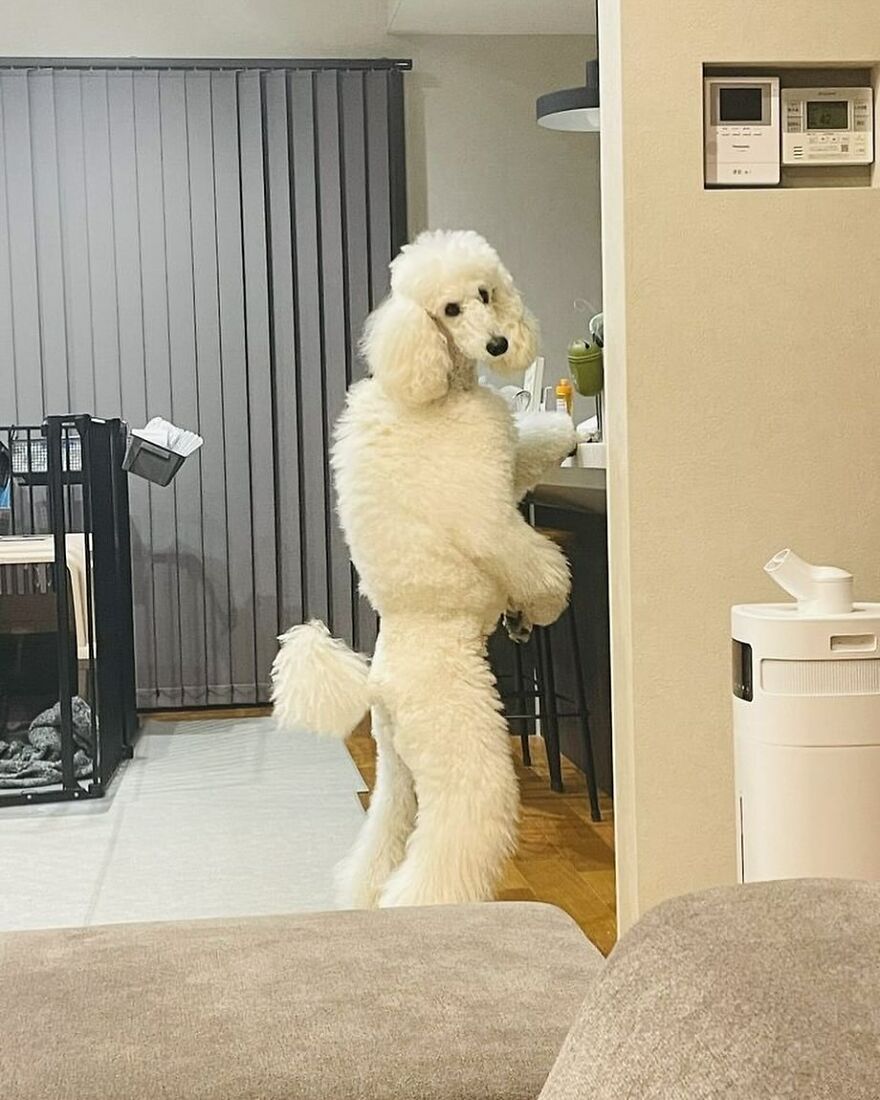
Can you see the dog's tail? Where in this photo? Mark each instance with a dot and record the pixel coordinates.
(318, 683)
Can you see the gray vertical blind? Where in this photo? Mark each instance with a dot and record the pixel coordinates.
(203, 242)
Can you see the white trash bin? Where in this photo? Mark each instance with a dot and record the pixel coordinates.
(806, 722)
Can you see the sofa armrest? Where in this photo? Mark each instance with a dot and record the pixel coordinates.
(763, 992)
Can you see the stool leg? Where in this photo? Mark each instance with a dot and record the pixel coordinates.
(549, 721)
(584, 716)
(519, 695)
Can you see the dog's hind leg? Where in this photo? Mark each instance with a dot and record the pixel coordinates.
(452, 736)
(381, 843)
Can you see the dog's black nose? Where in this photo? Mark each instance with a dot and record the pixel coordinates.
(497, 345)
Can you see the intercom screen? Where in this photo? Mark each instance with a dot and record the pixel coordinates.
(739, 104)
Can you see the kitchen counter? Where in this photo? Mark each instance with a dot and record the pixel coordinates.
(574, 488)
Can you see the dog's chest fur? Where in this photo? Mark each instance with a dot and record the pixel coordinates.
(404, 475)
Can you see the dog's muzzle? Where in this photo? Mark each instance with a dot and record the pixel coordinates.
(497, 345)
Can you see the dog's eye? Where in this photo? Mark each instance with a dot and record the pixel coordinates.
(452, 309)
(484, 296)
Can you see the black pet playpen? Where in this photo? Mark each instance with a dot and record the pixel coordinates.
(67, 688)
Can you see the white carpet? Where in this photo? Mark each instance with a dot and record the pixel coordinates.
(213, 818)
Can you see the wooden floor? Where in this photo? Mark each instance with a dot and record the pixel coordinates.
(563, 857)
(202, 714)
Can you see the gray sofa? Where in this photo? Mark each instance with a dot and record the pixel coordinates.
(749, 992)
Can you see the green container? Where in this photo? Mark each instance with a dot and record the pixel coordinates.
(585, 365)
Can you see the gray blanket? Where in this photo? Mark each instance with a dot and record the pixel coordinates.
(36, 762)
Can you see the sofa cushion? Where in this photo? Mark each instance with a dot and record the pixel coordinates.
(443, 1002)
(747, 993)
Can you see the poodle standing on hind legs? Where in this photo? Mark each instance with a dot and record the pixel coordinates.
(429, 468)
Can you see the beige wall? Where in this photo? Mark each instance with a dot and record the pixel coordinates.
(744, 397)
(476, 157)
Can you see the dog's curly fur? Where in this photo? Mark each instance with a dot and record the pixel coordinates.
(429, 468)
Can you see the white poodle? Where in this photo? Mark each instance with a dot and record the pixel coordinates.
(429, 467)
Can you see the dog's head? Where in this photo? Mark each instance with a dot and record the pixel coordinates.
(451, 298)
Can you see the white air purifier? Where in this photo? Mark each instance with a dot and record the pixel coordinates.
(806, 722)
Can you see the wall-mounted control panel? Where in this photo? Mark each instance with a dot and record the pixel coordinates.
(741, 123)
(827, 126)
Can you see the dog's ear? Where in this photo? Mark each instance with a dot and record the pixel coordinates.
(407, 352)
(522, 336)
(517, 324)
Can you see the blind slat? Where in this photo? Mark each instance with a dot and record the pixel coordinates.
(102, 271)
(188, 573)
(162, 561)
(132, 361)
(69, 185)
(233, 358)
(215, 583)
(333, 323)
(279, 190)
(24, 288)
(259, 352)
(310, 349)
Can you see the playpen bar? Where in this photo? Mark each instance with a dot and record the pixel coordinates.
(56, 508)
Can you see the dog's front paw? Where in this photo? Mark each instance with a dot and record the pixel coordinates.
(549, 589)
(518, 626)
(547, 608)
(553, 431)
(563, 433)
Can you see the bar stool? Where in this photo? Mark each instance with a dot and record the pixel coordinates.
(545, 691)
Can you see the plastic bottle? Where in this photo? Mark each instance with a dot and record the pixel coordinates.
(564, 395)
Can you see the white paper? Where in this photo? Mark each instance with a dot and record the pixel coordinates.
(534, 383)
(165, 434)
